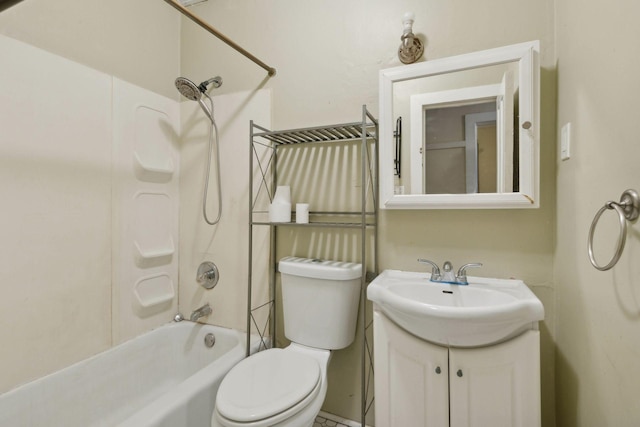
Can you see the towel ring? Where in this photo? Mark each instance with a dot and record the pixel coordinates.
(628, 209)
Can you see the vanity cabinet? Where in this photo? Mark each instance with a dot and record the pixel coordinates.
(422, 384)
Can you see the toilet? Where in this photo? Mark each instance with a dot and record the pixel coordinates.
(286, 387)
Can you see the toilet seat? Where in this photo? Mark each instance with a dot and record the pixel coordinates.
(269, 386)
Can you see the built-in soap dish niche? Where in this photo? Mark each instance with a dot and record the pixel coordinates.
(158, 171)
(153, 257)
(154, 294)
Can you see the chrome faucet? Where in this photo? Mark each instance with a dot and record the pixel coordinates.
(203, 311)
(448, 274)
(459, 278)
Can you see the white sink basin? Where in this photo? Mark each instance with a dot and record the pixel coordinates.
(484, 312)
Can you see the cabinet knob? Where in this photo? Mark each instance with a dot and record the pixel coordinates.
(459, 373)
(438, 370)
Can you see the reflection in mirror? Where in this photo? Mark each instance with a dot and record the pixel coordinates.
(439, 134)
(466, 119)
(459, 148)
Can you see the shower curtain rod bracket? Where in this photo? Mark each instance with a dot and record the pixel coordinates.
(270, 70)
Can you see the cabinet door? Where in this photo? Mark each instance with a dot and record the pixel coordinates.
(497, 386)
(411, 383)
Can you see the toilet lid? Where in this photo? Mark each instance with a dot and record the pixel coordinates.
(266, 384)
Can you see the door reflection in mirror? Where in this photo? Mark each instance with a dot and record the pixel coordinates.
(446, 155)
(459, 149)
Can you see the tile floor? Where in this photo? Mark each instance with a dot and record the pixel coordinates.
(329, 420)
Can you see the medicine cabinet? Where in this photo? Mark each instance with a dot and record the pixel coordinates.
(470, 131)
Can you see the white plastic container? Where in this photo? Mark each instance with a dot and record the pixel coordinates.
(320, 301)
(280, 208)
(302, 213)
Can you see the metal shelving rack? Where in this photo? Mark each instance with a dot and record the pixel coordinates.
(365, 133)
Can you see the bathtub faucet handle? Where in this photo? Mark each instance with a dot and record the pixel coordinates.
(208, 275)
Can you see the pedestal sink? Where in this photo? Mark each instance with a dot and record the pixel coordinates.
(484, 312)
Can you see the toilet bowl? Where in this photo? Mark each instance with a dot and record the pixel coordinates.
(286, 387)
(276, 387)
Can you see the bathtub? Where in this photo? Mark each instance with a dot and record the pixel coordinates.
(167, 377)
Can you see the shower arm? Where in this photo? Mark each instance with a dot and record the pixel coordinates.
(270, 70)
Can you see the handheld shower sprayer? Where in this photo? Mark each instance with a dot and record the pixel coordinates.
(189, 90)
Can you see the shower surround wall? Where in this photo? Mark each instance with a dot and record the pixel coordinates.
(55, 255)
(74, 211)
(56, 278)
(145, 171)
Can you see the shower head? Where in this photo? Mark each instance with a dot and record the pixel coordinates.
(188, 89)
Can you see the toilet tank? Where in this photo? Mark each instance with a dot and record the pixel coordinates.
(320, 301)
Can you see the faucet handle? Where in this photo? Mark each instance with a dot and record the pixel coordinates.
(462, 271)
(435, 271)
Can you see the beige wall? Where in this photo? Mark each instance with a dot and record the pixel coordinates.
(55, 167)
(327, 56)
(137, 41)
(598, 313)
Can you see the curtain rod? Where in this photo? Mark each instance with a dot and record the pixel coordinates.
(270, 70)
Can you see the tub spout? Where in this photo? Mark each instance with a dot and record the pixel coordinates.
(203, 311)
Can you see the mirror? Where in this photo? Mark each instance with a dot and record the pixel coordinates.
(469, 131)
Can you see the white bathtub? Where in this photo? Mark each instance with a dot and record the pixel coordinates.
(166, 377)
